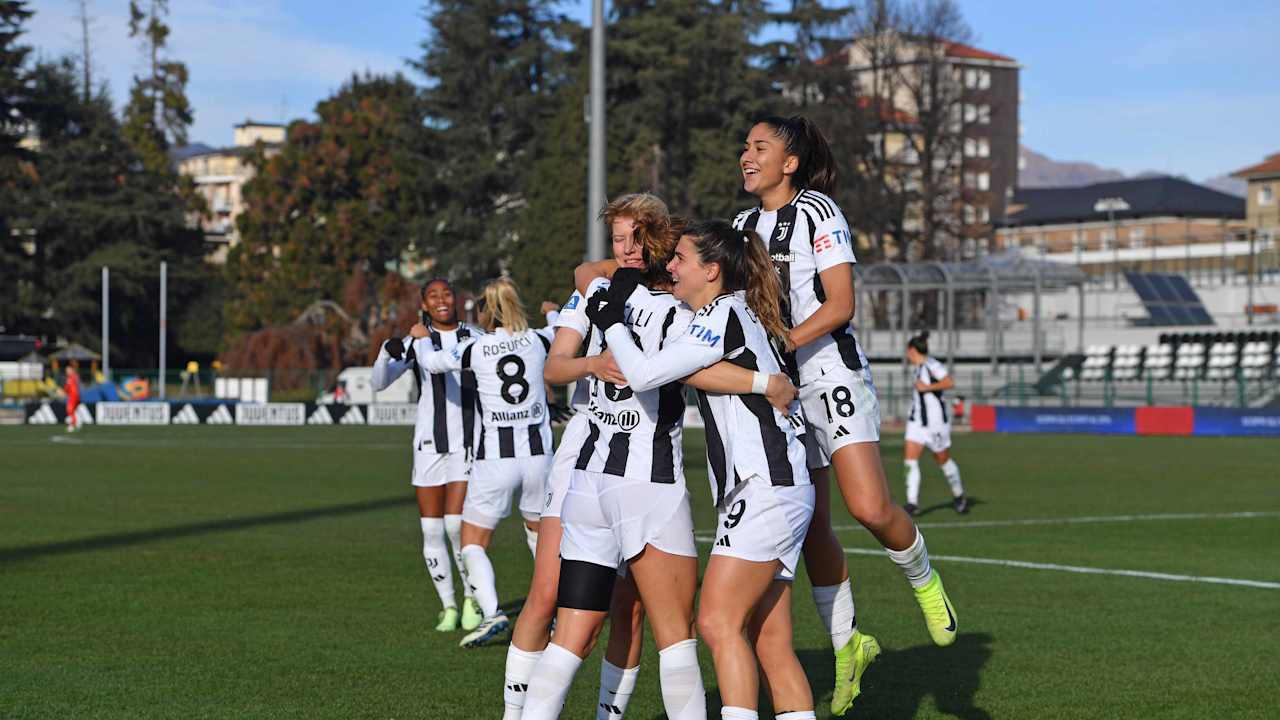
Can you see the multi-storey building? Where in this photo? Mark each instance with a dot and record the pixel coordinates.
(1262, 208)
(220, 175)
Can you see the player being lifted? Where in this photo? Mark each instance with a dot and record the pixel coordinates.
(440, 465)
(928, 425)
(629, 462)
(759, 482)
(788, 165)
(511, 449)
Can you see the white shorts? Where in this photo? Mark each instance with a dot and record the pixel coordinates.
(575, 433)
(760, 522)
(493, 482)
(608, 520)
(432, 469)
(841, 409)
(936, 437)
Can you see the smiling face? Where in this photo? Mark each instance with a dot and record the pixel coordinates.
(694, 282)
(626, 249)
(438, 302)
(766, 166)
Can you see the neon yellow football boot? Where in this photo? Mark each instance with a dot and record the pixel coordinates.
(851, 661)
(471, 615)
(939, 613)
(448, 620)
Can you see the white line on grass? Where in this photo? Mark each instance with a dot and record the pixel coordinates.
(216, 444)
(1087, 519)
(1086, 570)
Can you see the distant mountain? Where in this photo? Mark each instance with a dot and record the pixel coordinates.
(1039, 171)
(1228, 185)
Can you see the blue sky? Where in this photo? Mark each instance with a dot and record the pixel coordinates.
(1174, 86)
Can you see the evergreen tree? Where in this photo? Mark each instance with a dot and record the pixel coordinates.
(15, 101)
(158, 113)
(344, 194)
(492, 69)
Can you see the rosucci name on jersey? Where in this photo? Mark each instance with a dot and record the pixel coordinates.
(507, 346)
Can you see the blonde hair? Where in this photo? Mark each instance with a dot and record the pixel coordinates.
(502, 306)
(655, 230)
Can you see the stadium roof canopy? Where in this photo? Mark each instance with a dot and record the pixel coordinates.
(1144, 197)
(76, 351)
(1008, 271)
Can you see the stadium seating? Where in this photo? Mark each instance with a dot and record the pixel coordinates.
(1184, 356)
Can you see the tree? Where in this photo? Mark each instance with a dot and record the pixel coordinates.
(345, 194)
(15, 107)
(158, 113)
(492, 70)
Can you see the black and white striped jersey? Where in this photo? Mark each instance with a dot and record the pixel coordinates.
(637, 434)
(502, 380)
(573, 316)
(929, 408)
(746, 436)
(439, 427)
(805, 237)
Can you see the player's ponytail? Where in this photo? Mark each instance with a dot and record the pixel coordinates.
(920, 343)
(816, 168)
(744, 265)
(501, 307)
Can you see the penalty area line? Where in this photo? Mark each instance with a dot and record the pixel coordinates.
(1087, 570)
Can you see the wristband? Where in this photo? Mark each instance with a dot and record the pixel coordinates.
(759, 383)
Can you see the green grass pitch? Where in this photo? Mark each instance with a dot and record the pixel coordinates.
(198, 572)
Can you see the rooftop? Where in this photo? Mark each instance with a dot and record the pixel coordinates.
(1145, 197)
(1270, 166)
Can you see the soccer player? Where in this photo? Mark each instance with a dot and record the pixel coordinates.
(628, 439)
(72, 389)
(928, 426)
(763, 497)
(440, 466)
(788, 165)
(502, 381)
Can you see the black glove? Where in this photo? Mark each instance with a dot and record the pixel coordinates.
(604, 311)
(623, 283)
(560, 413)
(394, 348)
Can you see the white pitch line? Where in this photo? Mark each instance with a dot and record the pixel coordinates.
(1088, 519)
(1087, 570)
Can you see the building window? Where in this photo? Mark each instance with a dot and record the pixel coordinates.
(970, 215)
(1266, 195)
(984, 79)
(1077, 242)
(1137, 237)
(1108, 239)
(971, 78)
(984, 215)
(970, 179)
(984, 147)
(984, 114)
(984, 181)
(970, 113)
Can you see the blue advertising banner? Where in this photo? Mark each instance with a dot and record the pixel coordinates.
(1236, 421)
(1105, 421)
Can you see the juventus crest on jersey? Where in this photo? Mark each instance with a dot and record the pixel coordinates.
(501, 379)
(746, 436)
(638, 434)
(805, 237)
(439, 426)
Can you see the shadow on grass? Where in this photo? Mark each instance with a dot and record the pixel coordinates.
(117, 540)
(949, 505)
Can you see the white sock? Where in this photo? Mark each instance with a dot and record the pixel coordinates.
(952, 471)
(437, 557)
(531, 539)
(549, 684)
(914, 561)
(616, 686)
(520, 664)
(453, 528)
(480, 577)
(737, 713)
(835, 607)
(913, 481)
(681, 679)
(797, 715)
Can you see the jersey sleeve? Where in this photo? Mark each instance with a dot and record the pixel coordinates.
(387, 369)
(442, 361)
(936, 369)
(832, 242)
(700, 345)
(573, 315)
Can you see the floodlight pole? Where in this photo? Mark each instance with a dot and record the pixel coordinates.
(596, 137)
(164, 321)
(106, 323)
